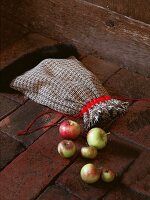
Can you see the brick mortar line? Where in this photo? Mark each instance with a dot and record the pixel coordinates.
(24, 146)
(134, 144)
(119, 180)
(43, 133)
(9, 113)
(136, 192)
(14, 158)
(68, 191)
(9, 98)
(112, 75)
(31, 133)
(53, 181)
(15, 139)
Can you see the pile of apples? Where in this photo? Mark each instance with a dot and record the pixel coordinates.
(96, 139)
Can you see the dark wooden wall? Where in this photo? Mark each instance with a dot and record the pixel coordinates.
(136, 9)
(93, 29)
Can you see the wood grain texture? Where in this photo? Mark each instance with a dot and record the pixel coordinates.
(139, 10)
(10, 32)
(27, 44)
(90, 27)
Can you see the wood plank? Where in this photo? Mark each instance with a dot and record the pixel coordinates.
(139, 10)
(27, 44)
(92, 28)
(10, 32)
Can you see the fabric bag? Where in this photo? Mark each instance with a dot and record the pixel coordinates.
(66, 86)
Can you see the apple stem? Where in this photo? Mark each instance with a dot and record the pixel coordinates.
(108, 133)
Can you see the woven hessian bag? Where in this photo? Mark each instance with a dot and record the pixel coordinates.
(66, 86)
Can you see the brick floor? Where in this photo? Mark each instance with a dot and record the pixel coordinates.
(128, 84)
(109, 157)
(101, 68)
(135, 125)
(33, 169)
(123, 193)
(7, 106)
(138, 175)
(55, 192)
(22, 117)
(18, 98)
(9, 148)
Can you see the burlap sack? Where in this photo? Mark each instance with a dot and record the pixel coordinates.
(66, 86)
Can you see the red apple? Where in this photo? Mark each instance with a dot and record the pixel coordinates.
(89, 173)
(89, 152)
(69, 129)
(107, 175)
(66, 148)
(97, 138)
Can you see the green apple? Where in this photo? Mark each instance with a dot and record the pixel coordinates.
(107, 175)
(89, 152)
(89, 173)
(97, 138)
(66, 148)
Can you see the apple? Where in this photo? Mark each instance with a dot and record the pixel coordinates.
(89, 173)
(89, 152)
(69, 129)
(97, 138)
(107, 175)
(66, 148)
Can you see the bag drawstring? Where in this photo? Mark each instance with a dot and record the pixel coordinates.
(90, 104)
(28, 129)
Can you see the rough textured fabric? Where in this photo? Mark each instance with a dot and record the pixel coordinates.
(66, 86)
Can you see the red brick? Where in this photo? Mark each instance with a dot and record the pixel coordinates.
(6, 106)
(9, 148)
(56, 193)
(137, 177)
(101, 68)
(128, 84)
(123, 193)
(116, 156)
(135, 125)
(19, 98)
(22, 117)
(34, 169)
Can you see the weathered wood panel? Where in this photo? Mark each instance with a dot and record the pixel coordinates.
(90, 27)
(137, 9)
(10, 32)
